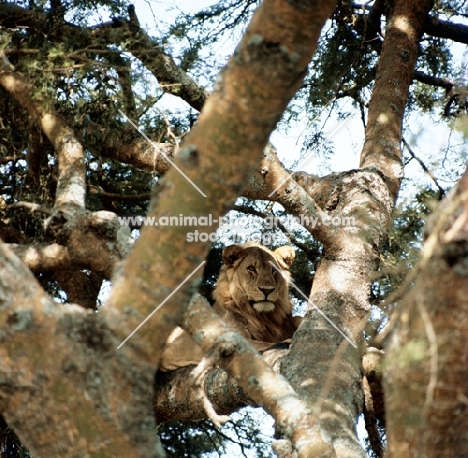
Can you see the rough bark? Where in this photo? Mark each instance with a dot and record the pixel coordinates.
(131, 148)
(427, 366)
(95, 241)
(80, 287)
(65, 390)
(176, 399)
(381, 151)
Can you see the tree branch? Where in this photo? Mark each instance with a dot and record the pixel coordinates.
(43, 257)
(79, 242)
(31, 207)
(423, 166)
(59, 366)
(429, 384)
(446, 29)
(71, 182)
(171, 78)
(130, 148)
(99, 192)
(175, 397)
(251, 211)
(381, 149)
(434, 80)
(273, 182)
(270, 390)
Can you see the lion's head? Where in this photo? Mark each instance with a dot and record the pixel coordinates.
(252, 291)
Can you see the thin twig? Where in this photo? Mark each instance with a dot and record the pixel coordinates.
(426, 170)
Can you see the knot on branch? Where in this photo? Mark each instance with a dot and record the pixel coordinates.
(59, 226)
(104, 223)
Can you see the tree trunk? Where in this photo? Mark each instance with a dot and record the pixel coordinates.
(331, 379)
(426, 370)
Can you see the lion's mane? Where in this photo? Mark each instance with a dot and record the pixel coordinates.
(232, 297)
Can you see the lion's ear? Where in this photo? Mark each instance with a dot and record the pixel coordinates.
(232, 253)
(286, 254)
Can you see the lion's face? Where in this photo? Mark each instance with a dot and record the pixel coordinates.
(257, 276)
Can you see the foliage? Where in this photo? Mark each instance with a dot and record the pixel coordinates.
(83, 75)
(243, 436)
(400, 254)
(10, 445)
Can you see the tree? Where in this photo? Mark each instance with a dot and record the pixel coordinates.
(72, 88)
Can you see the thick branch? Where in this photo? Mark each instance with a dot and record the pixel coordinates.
(130, 148)
(270, 390)
(71, 182)
(176, 399)
(273, 182)
(446, 29)
(381, 149)
(434, 80)
(82, 288)
(426, 367)
(96, 242)
(44, 257)
(59, 367)
(30, 207)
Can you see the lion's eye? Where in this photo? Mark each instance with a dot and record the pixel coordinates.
(251, 269)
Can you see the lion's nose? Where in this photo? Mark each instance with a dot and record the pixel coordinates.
(266, 291)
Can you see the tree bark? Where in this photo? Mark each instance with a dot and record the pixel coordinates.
(71, 182)
(426, 368)
(331, 380)
(65, 390)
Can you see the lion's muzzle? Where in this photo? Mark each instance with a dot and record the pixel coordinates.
(263, 306)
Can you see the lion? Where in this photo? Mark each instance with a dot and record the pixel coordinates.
(251, 296)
